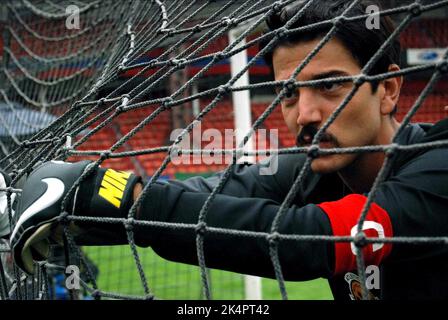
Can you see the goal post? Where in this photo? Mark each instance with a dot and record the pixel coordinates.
(243, 124)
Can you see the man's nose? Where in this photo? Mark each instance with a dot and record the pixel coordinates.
(309, 111)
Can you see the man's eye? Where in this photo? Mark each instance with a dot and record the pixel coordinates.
(289, 94)
(330, 87)
(289, 98)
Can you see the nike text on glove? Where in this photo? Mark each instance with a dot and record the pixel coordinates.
(103, 193)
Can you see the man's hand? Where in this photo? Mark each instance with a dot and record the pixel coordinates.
(102, 193)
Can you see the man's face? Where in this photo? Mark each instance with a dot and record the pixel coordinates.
(307, 109)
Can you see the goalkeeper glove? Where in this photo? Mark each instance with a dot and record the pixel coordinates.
(102, 193)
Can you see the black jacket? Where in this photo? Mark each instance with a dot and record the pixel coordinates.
(413, 201)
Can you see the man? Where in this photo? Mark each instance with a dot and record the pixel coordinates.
(411, 202)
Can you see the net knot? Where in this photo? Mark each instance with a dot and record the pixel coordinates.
(96, 294)
(63, 218)
(25, 143)
(129, 224)
(339, 21)
(219, 56)
(360, 240)
(223, 89)
(201, 228)
(177, 63)
(166, 103)
(124, 102)
(290, 86)
(9, 190)
(359, 80)
(415, 9)
(175, 150)
(197, 28)
(15, 172)
(276, 7)
(313, 151)
(229, 22)
(105, 155)
(392, 150)
(281, 32)
(76, 104)
(273, 238)
(169, 32)
(443, 66)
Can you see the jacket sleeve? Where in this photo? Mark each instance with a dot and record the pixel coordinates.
(248, 201)
(242, 254)
(416, 199)
(262, 180)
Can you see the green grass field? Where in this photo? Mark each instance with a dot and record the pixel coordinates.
(168, 280)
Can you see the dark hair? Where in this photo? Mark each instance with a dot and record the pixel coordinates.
(362, 42)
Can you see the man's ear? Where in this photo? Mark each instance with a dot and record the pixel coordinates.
(392, 88)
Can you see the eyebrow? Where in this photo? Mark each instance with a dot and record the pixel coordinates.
(329, 74)
(324, 75)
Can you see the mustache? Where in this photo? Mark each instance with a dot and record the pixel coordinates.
(306, 136)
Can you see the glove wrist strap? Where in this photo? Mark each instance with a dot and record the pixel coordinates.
(108, 193)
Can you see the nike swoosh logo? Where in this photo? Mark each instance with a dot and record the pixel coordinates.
(53, 193)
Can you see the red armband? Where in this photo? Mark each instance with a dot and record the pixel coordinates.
(344, 215)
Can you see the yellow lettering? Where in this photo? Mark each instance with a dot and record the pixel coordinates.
(120, 176)
(114, 182)
(111, 193)
(113, 185)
